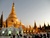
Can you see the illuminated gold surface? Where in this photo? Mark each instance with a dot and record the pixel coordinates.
(12, 18)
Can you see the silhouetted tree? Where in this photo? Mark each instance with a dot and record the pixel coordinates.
(48, 25)
(1, 20)
(44, 26)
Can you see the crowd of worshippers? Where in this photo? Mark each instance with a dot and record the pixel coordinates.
(47, 35)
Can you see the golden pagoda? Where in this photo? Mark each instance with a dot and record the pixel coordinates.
(12, 18)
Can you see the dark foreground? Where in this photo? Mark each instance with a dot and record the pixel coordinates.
(28, 36)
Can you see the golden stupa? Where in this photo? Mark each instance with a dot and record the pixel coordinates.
(12, 18)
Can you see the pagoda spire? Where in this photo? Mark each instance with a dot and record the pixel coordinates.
(20, 22)
(12, 13)
(13, 9)
(12, 18)
(13, 4)
(35, 25)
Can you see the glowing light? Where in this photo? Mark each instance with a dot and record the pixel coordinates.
(27, 31)
(9, 32)
(17, 32)
(3, 32)
(30, 31)
(24, 31)
(33, 30)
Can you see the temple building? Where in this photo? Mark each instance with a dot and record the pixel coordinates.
(12, 21)
(13, 26)
(12, 18)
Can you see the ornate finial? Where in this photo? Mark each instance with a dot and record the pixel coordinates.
(13, 4)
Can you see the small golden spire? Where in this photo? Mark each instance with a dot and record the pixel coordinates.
(20, 22)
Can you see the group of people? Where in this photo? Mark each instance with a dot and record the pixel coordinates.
(47, 35)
